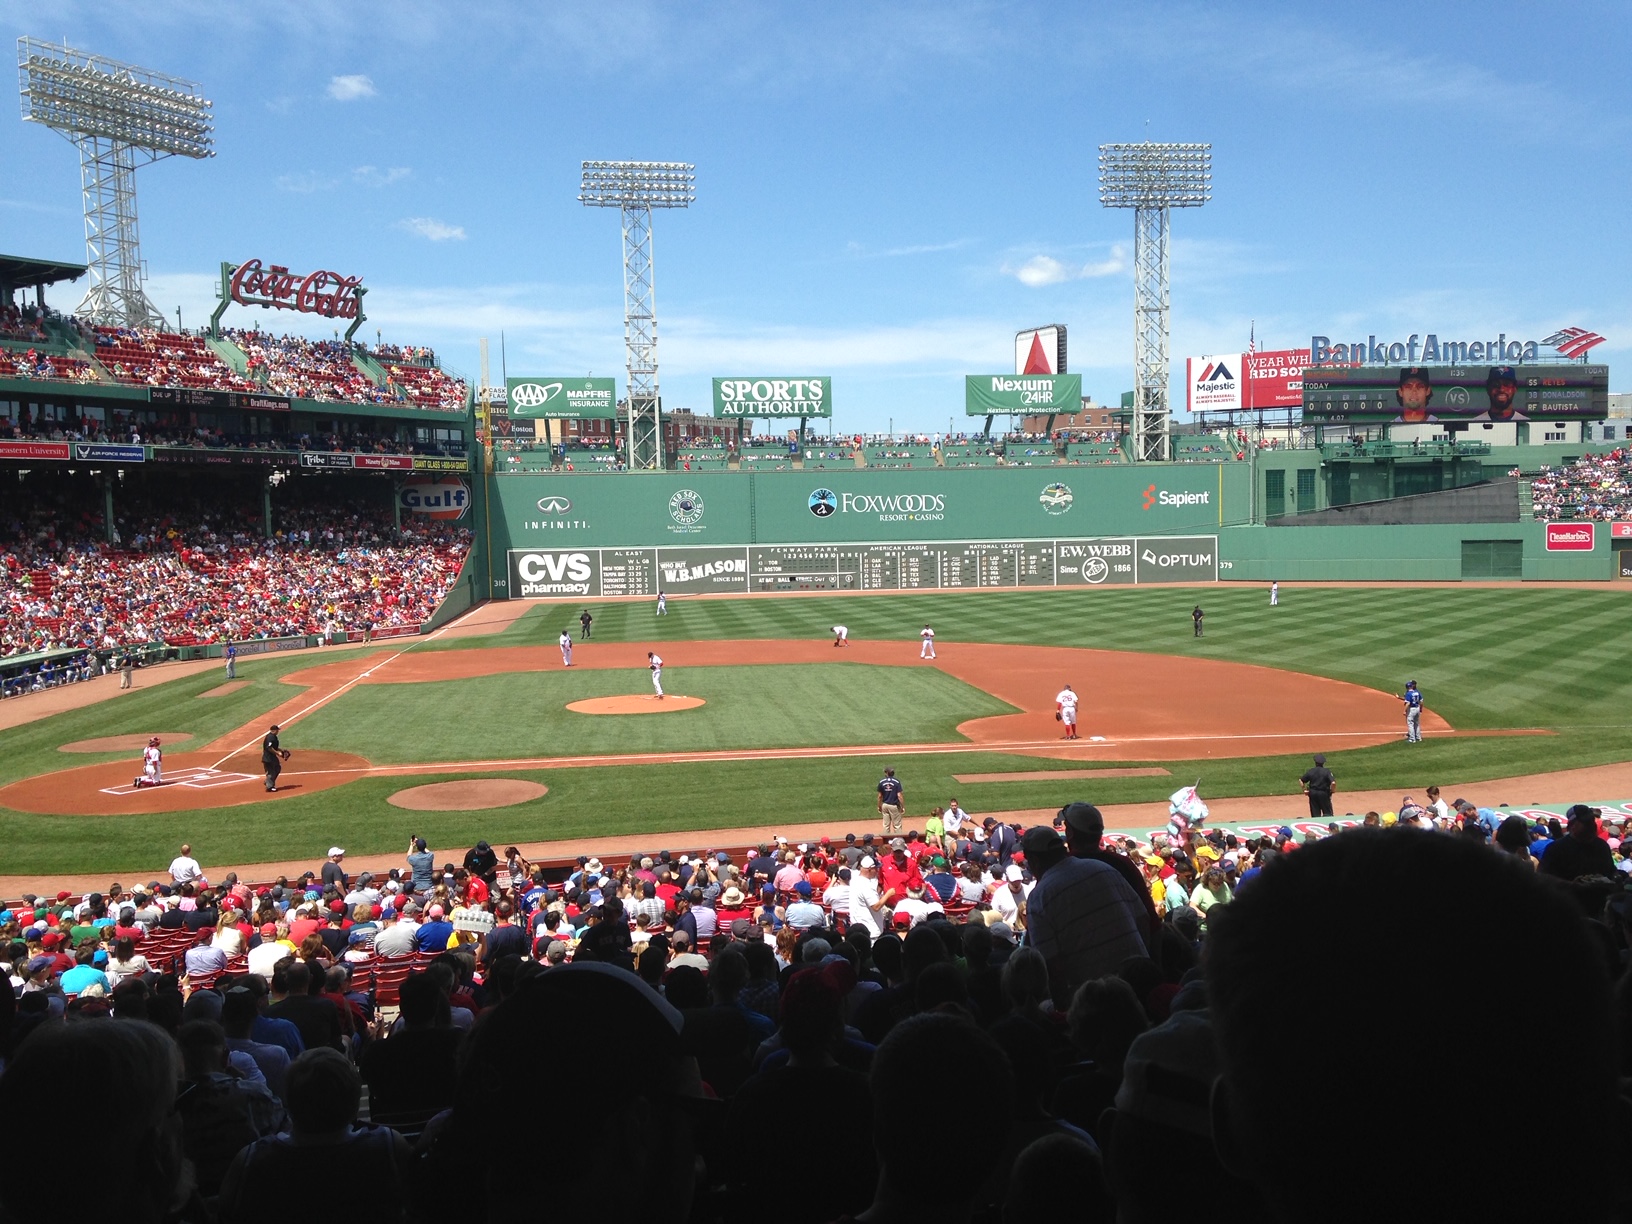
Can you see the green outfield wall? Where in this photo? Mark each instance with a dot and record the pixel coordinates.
(543, 534)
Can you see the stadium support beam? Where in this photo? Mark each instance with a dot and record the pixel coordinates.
(1152, 179)
(117, 115)
(635, 188)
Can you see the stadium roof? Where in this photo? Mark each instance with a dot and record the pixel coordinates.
(17, 272)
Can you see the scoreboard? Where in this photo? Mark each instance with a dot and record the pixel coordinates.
(1336, 395)
(947, 565)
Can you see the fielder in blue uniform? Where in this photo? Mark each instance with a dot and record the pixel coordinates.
(1413, 712)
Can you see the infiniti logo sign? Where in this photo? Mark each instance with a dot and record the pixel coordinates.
(554, 505)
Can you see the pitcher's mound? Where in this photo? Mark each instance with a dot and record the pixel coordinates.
(126, 743)
(634, 705)
(471, 795)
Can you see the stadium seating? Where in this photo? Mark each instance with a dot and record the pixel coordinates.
(1596, 487)
(146, 357)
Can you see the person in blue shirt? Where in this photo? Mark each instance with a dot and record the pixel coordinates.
(433, 935)
(85, 973)
(1413, 712)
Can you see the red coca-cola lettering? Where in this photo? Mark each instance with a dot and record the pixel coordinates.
(321, 293)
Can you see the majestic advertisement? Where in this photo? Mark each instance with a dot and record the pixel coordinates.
(1040, 350)
(1023, 394)
(562, 399)
(1414, 395)
(809, 396)
(1229, 382)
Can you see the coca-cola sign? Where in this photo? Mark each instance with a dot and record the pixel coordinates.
(321, 293)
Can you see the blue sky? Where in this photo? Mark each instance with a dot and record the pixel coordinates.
(885, 192)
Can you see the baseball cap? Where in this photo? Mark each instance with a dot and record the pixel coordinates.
(1320, 758)
(1501, 374)
(1416, 374)
(902, 920)
(269, 928)
(1581, 811)
(1083, 817)
(1014, 873)
(334, 850)
(1002, 930)
(869, 861)
(802, 888)
(897, 843)
(436, 911)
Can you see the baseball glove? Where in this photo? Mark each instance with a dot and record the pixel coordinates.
(284, 754)
(1056, 716)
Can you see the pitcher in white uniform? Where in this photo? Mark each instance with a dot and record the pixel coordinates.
(657, 673)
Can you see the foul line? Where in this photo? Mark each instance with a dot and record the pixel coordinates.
(357, 679)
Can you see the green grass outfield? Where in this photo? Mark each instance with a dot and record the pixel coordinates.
(524, 714)
(1485, 657)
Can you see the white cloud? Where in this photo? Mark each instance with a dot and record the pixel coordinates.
(350, 88)
(373, 176)
(431, 228)
(1042, 270)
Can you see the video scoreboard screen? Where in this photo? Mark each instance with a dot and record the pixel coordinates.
(601, 572)
(1456, 393)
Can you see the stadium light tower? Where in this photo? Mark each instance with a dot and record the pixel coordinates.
(637, 188)
(1150, 179)
(117, 115)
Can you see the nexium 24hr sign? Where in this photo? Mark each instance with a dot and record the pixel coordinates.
(562, 399)
(773, 397)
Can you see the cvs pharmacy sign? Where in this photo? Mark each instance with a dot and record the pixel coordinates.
(536, 573)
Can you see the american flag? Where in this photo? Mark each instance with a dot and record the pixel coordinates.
(1574, 341)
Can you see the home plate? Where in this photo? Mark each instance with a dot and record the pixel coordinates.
(192, 779)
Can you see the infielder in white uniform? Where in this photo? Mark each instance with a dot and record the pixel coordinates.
(1065, 706)
(841, 636)
(662, 603)
(152, 765)
(657, 673)
(566, 647)
(927, 650)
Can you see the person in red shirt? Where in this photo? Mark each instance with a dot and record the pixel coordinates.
(897, 874)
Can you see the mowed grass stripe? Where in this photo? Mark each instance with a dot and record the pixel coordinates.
(517, 716)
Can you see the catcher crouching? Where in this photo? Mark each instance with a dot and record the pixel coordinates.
(273, 755)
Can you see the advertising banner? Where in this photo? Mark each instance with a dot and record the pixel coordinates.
(383, 463)
(270, 645)
(541, 573)
(435, 463)
(562, 399)
(1570, 537)
(1177, 559)
(1620, 531)
(1214, 383)
(223, 458)
(1275, 378)
(325, 460)
(1040, 350)
(437, 497)
(254, 401)
(992, 394)
(33, 450)
(190, 397)
(109, 452)
(1424, 394)
(773, 397)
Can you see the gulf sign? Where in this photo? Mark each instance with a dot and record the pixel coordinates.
(436, 497)
(1570, 537)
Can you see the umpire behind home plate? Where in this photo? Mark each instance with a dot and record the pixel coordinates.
(272, 758)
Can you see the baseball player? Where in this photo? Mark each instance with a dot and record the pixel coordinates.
(1065, 711)
(1196, 614)
(1274, 594)
(1413, 712)
(927, 650)
(273, 756)
(232, 661)
(566, 647)
(662, 603)
(152, 766)
(656, 665)
(841, 635)
(586, 620)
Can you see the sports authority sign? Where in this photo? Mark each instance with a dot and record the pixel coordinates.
(810, 396)
(996, 394)
(562, 399)
(1228, 382)
(1570, 537)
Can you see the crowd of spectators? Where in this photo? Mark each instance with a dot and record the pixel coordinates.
(1088, 1021)
(1597, 487)
(190, 572)
(33, 364)
(307, 369)
(147, 356)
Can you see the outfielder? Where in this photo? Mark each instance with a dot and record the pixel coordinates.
(927, 650)
(1065, 711)
(656, 664)
(1274, 594)
(566, 647)
(1413, 712)
(841, 635)
(662, 603)
(152, 766)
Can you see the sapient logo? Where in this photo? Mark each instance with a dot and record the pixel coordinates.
(1154, 497)
(896, 507)
(824, 503)
(686, 507)
(1056, 498)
